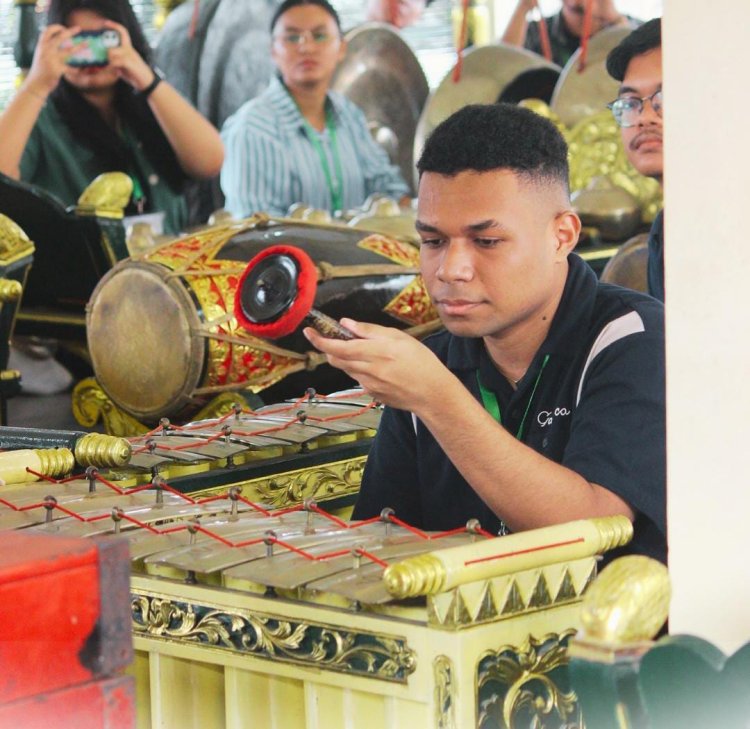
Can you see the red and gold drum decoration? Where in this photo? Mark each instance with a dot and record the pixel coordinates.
(162, 330)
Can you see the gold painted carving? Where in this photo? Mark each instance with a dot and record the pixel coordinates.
(107, 196)
(391, 248)
(511, 595)
(595, 150)
(516, 685)
(413, 304)
(445, 569)
(627, 603)
(14, 243)
(102, 451)
(90, 404)
(267, 636)
(10, 290)
(445, 693)
(318, 483)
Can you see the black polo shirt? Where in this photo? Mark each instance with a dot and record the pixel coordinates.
(592, 400)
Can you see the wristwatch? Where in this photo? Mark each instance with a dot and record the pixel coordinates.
(158, 78)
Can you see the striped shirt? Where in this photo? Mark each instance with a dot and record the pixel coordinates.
(270, 163)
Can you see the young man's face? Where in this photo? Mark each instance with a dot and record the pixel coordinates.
(643, 141)
(307, 46)
(494, 249)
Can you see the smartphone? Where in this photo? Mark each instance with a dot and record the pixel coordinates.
(90, 47)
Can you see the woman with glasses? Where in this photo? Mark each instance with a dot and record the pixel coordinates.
(565, 28)
(298, 142)
(73, 120)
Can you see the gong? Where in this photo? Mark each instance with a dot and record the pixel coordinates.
(488, 74)
(382, 76)
(580, 94)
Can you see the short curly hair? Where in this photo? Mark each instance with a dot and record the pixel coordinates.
(482, 138)
(642, 40)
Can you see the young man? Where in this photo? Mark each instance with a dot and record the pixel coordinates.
(543, 402)
(636, 64)
(565, 28)
(298, 142)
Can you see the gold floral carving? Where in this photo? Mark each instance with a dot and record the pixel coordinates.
(273, 637)
(527, 685)
(107, 196)
(318, 483)
(14, 243)
(445, 693)
(595, 150)
(91, 404)
(628, 602)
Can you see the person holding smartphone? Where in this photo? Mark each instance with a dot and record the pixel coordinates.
(298, 142)
(76, 116)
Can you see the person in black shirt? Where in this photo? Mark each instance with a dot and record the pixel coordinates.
(636, 64)
(565, 28)
(543, 402)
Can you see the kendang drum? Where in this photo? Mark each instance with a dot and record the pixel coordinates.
(162, 330)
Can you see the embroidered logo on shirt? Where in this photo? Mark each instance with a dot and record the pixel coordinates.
(546, 417)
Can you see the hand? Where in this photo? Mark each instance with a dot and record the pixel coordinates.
(527, 5)
(131, 67)
(49, 64)
(389, 364)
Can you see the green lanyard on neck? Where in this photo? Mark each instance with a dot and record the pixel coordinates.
(139, 197)
(492, 406)
(335, 186)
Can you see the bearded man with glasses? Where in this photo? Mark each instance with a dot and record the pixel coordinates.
(565, 28)
(636, 64)
(298, 141)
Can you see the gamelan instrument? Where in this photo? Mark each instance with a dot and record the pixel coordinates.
(382, 76)
(162, 330)
(244, 612)
(16, 253)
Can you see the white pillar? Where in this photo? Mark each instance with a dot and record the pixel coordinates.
(707, 203)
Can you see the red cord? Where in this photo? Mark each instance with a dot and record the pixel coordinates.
(544, 35)
(461, 41)
(588, 19)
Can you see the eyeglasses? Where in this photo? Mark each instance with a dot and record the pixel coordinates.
(627, 109)
(318, 37)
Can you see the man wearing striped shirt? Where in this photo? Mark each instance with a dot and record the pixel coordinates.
(299, 142)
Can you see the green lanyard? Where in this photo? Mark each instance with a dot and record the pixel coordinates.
(492, 406)
(335, 187)
(139, 198)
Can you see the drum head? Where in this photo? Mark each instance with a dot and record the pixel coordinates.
(581, 94)
(628, 267)
(140, 335)
(382, 76)
(486, 73)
